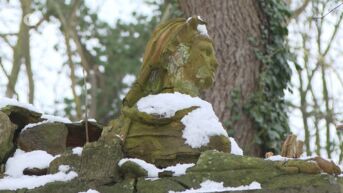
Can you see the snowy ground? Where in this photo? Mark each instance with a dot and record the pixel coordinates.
(15, 179)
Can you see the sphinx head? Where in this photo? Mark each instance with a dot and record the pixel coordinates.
(191, 68)
(178, 58)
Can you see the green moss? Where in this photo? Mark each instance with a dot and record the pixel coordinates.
(67, 158)
(61, 187)
(131, 169)
(50, 137)
(7, 130)
(158, 186)
(219, 161)
(308, 167)
(126, 186)
(99, 162)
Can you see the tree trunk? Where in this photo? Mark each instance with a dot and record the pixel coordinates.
(231, 23)
(72, 75)
(18, 51)
(27, 57)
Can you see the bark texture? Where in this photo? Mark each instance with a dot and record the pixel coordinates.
(231, 23)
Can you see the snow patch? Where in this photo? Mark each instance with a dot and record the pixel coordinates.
(64, 168)
(53, 118)
(89, 120)
(202, 29)
(30, 182)
(49, 119)
(77, 151)
(235, 149)
(30, 125)
(178, 169)
(15, 179)
(9, 101)
(189, 19)
(129, 79)
(150, 168)
(90, 191)
(211, 186)
(199, 17)
(280, 158)
(200, 124)
(21, 160)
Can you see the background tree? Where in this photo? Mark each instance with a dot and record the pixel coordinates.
(21, 53)
(317, 81)
(106, 53)
(248, 92)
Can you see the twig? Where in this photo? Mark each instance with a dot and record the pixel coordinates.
(4, 37)
(322, 17)
(86, 104)
(3, 69)
(38, 23)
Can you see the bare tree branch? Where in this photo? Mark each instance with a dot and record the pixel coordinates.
(4, 37)
(3, 69)
(300, 9)
(322, 17)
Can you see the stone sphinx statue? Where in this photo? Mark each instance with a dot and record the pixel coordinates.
(180, 60)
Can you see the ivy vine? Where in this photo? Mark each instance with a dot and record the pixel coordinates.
(267, 106)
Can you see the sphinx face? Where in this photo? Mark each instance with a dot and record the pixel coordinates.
(202, 64)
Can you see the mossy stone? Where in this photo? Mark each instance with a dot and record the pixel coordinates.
(21, 116)
(125, 186)
(67, 158)
(162, 185)
(50, 137)
(73, 186)
(99, 162)
(131, 169)
(7, 129)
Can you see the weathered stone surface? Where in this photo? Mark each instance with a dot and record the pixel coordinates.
(178, 58)
(73, 186)
(126, 186)
(21, 116)
(163, 144)
(50, 137)
(300, 189)
(7, 130)
(67, 158)
(241, 170)
(162, 185)
(131, 169)
(99, 162)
